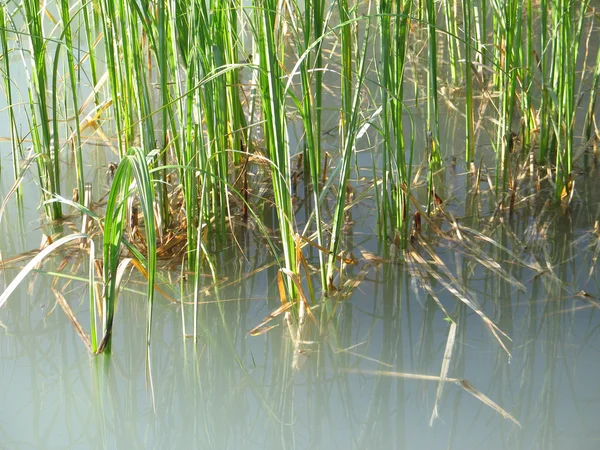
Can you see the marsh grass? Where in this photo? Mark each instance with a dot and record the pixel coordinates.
(203, 97)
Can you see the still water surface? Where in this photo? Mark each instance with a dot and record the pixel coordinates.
(338, 387)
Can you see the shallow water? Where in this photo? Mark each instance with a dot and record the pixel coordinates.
(336, 386)
(356, 381)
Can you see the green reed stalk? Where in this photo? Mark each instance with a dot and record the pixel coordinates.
(162, 57)
(115, 222)
(480, 25)
(220, 111)
(385, 14)
(48, 164)
(273, 106)
(435, 158)
(346, 71)
(309, 111)
(215, 107)
(569, 29)
(546, 72)
(190, 155)
(319, 22)
(131, 101)
(210, 110)
(394, 38)
(137, 91)
(314, 151)
(497, 56)
(451, 23)
(228, 31)
(564, 90)
(109, 21)
(470, 125)
(156, 32)
(66, 19)
(87, 12)
(528, 69)
(589, 118)
(508, 16)
(346, 113)
(432, 94)
(349, 123)
(14, 134)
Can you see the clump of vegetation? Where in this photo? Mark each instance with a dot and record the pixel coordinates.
(197, 101)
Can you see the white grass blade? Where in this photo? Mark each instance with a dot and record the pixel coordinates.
(35, 261)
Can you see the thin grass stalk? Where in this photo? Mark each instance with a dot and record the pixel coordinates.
(310, 120)
(433, 130)
(208, 58)
(469, 118)
(66, 19)
(42, 139)
(91, 44)
(109, 22)
(236, 119)
(273, 105)
(514, 46)
(394, 36)
(590, 116)
(319, 22)
(570, 29)
(385, 15)
(480, 19)
(346, 70)
(162, 58)
(205, 146)
(563, 86)
(14, 135)
(402, 168)
(131, 102)
(196, 265)
(508, 22)
(145, 187)
(191, 155)
(345, 130)
(451, 23)
(115, 223)
(497, 57)
(191, 160)
(546, 101)
(432, 94)
(176, 62)
(350, 124)
(135, 70)
(528, 120)
(219, 143)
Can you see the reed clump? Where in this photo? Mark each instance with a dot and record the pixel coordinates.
(199, 103)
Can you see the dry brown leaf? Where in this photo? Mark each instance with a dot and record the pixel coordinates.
(69, 312)
(260, 328)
